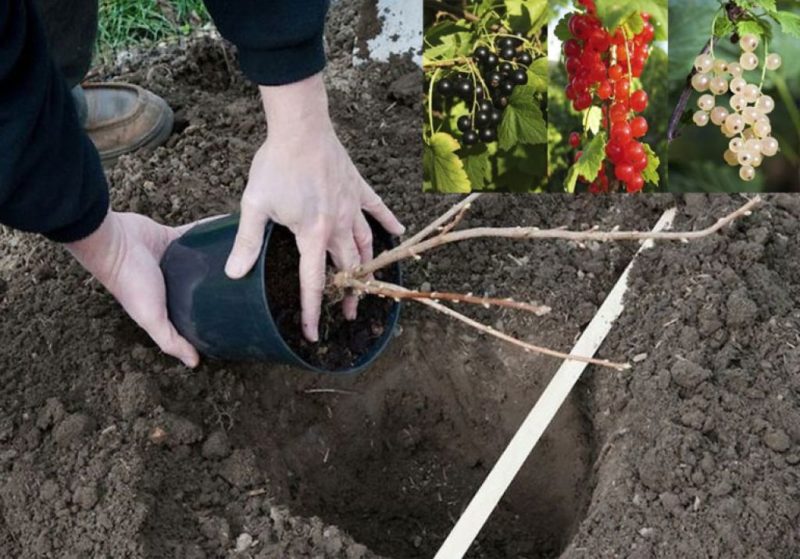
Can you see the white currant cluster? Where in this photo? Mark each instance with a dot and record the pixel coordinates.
(747, 124)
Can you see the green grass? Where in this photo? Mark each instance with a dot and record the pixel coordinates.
(123, 23)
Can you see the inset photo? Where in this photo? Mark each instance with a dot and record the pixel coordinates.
(485, 126)
(607, 96)
(734, 81)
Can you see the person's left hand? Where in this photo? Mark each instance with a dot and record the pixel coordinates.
(124, 255)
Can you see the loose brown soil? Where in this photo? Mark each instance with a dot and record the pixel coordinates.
(110, 449)
(342, 343)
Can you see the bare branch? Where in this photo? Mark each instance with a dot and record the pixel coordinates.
(434, 225)
(393, 291)
(408, 250)
(524, 345)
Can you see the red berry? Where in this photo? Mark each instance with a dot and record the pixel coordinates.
(583, 102)
(619, 112)
(639, 101)
(615, 72)
(635, 183)
(578, 156)
(572, 48)
(639, 126)
(622, 88)
(604, 90)
(624, 172)
(633, 152)
(614, 151)
(575, 140)
(621, 132)
(641, 163)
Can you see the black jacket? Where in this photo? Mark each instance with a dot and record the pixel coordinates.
(51, 180)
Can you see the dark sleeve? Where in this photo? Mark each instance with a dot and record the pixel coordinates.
(279, 41)
(51, 179)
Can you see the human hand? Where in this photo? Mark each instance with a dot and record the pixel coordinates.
(124, 255)
(302, 178)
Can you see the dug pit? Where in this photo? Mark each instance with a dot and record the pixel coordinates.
(394, 455)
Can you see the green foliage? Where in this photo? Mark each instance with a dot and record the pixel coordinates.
(517, 161)
(123, 23)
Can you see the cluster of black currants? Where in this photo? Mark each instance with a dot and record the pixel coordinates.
(501, 71)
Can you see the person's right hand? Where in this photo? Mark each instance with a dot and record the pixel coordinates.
(303, 178)
(124, 255)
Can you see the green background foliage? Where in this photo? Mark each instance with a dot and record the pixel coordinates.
(123, 23)
(517, 162)
(695, 158)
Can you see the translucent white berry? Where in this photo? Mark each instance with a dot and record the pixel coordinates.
(750, 115)
(706, 102)
(749, 61)
(749, 43)
(738, 85)
(751, 93)
(747, 173)
(758, 159)
(718, 85)
(753, 145)
(720, 67)
(718, 115)
(745, 157)
(700, 82)
(738, 103)
(774, 61)
(769, 146)
(736, 144)
(700, 118)
(730, 158)
(762, 128)
(734, 123)
(704, 63)
(735, 69)
(748, 134)
(765, 104)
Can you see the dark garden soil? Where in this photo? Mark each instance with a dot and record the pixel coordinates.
(110, 449)
(341, 342)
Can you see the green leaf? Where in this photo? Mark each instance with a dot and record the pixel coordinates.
(523, 122)
(588, 166)
(650, 173)
(478, 167)
(443, 171)
(723, 27)
(790, 23)
(561, 29)
(538, 75)
(593, 119)
(752, 27)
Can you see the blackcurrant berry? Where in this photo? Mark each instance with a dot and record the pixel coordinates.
(506, 42)
(445, 87)
(480, 54)
(464, 123)
(483, 119)
(485, 106)
(507, 87)
(491, 60)
(494, 79)
(525, 58)
(464, 88)
(496, 116)
(519, 77)
(470, 138)
(478, 91)
(506, 67)
(501, 102)
(488, 135)
(508, 53)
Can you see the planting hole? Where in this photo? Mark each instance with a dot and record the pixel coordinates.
(393, 456)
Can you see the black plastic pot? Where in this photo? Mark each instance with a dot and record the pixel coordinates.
(231, 319)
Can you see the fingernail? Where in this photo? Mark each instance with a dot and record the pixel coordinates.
(189, 361)
(312, 335)
(233, 268)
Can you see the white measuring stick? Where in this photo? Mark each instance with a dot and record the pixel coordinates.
(505, 470)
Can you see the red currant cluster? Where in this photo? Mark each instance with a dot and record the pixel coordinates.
(601, 67)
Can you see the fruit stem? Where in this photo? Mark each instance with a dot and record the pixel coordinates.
(764, 69)
(713, 30)
(628, 56)
(430, 98)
